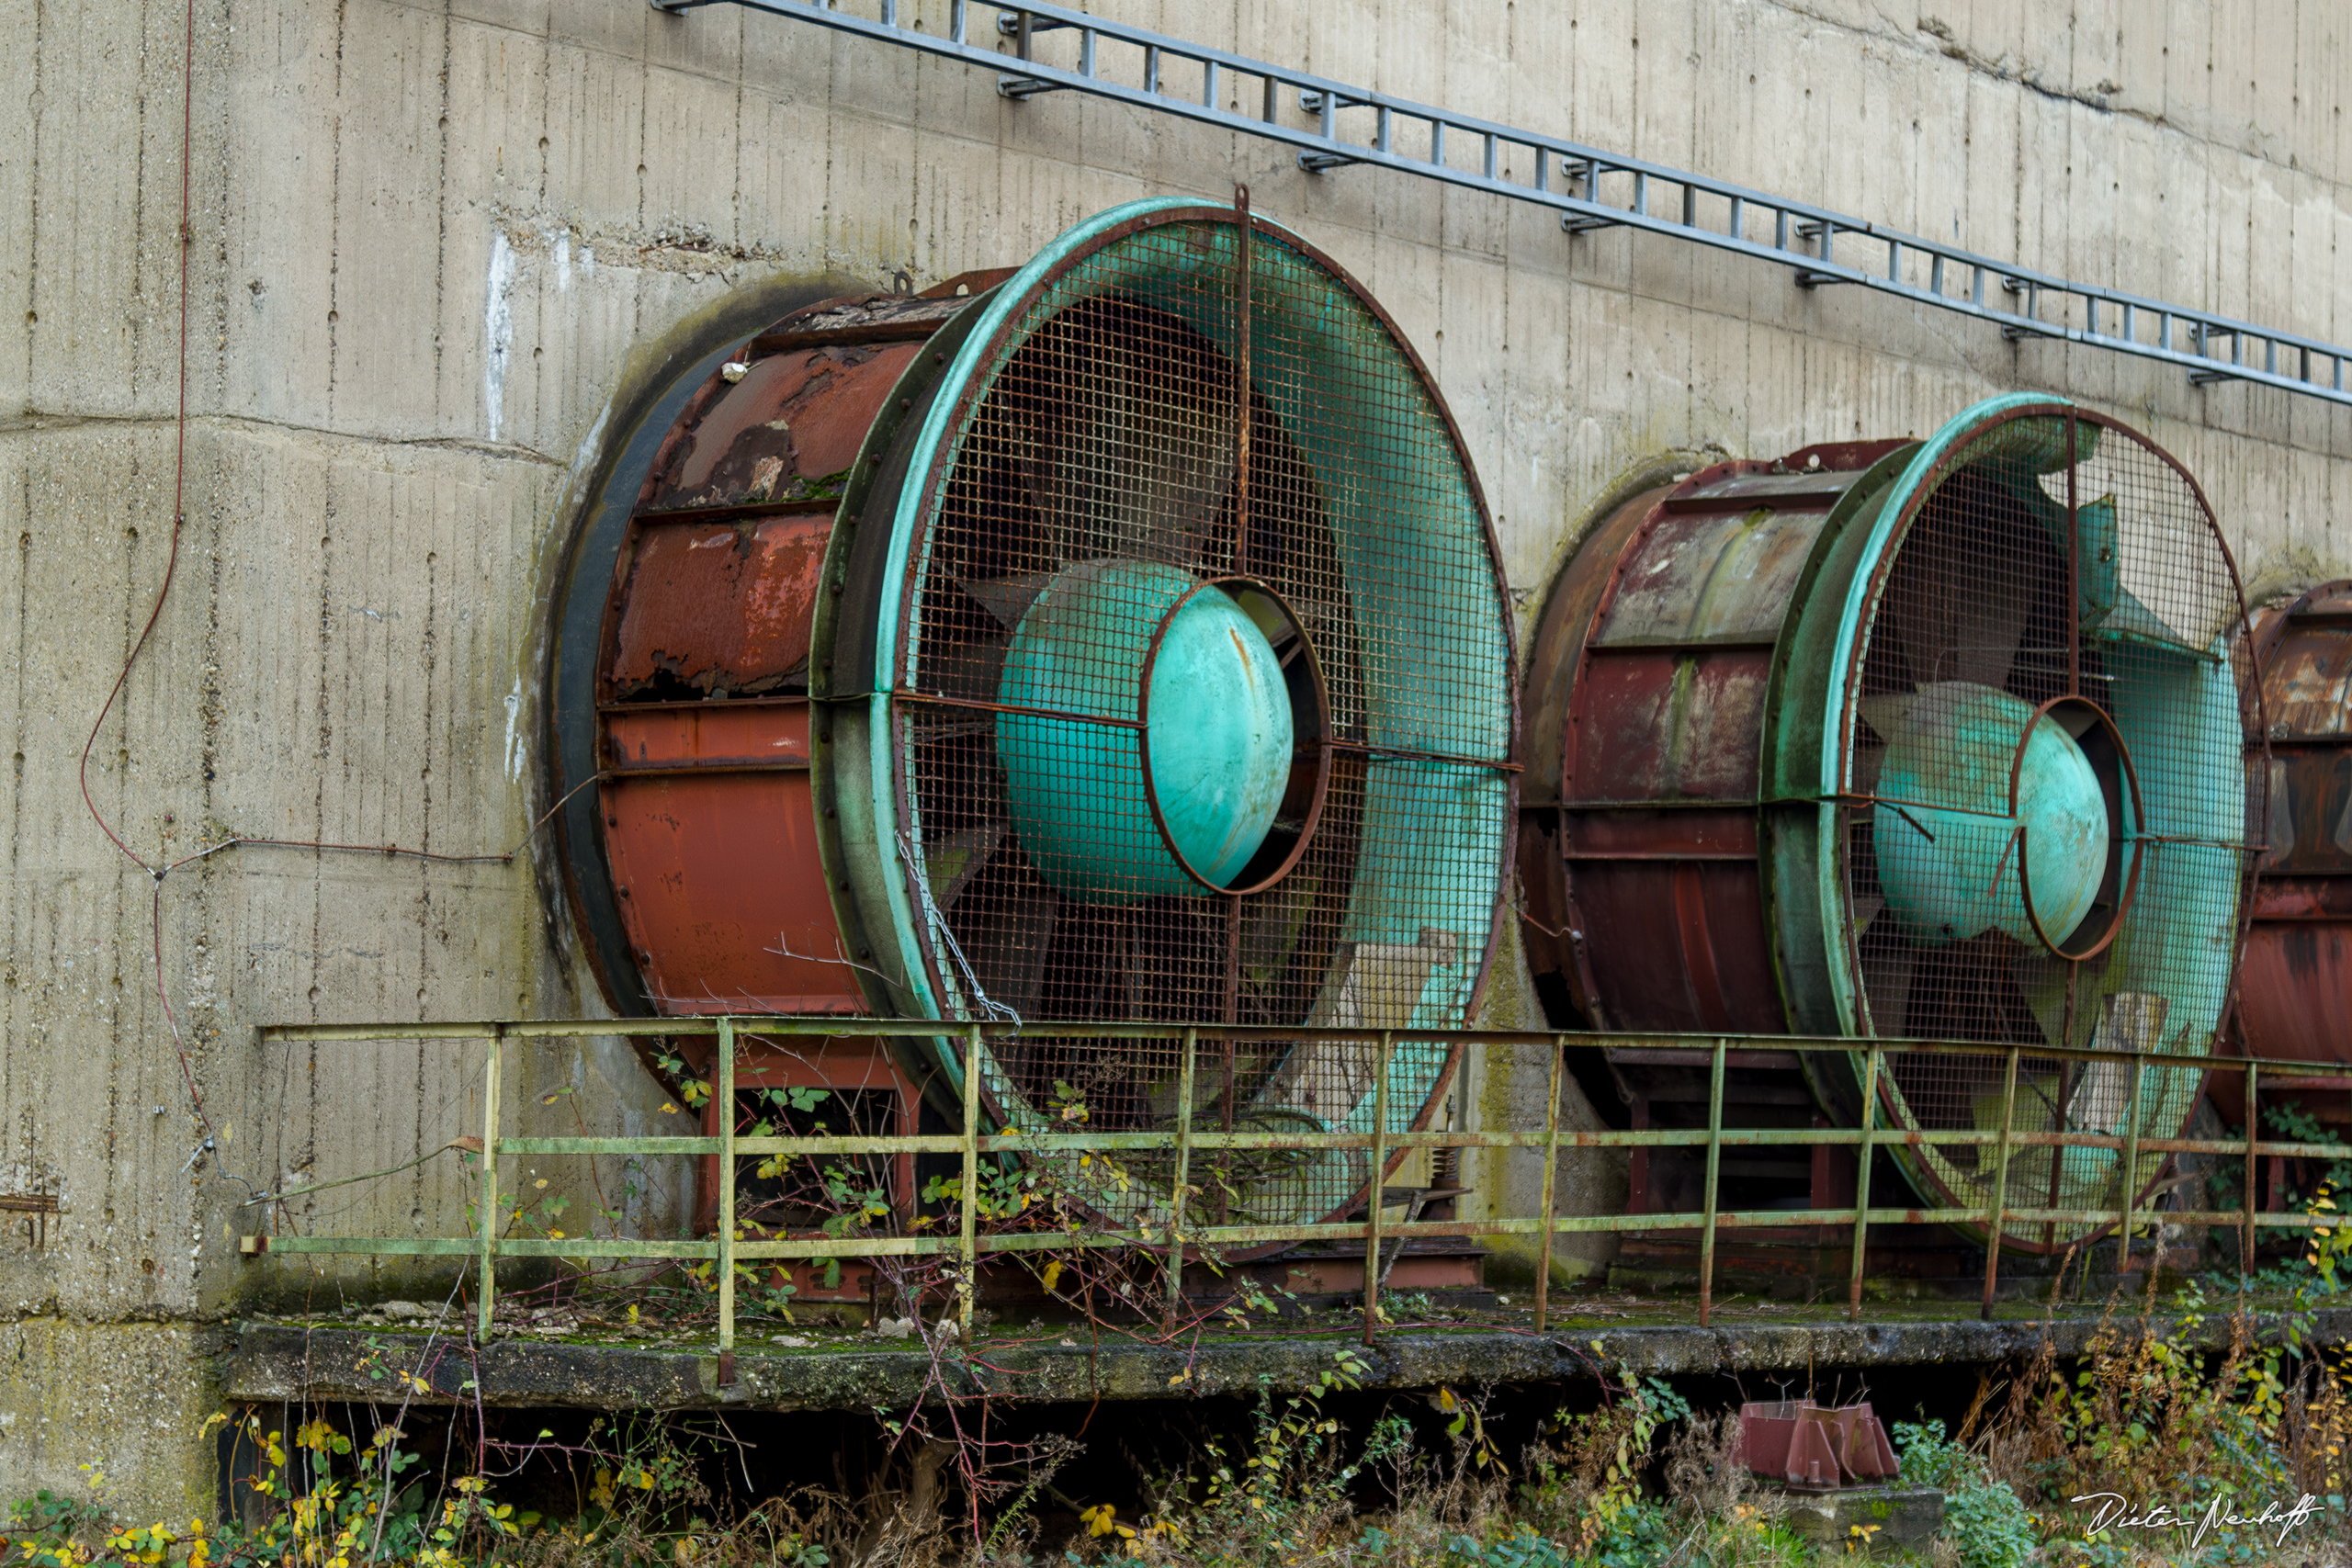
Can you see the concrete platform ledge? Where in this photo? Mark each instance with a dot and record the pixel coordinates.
(271, 1361)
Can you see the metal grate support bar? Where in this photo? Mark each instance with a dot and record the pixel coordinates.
(1589, 189)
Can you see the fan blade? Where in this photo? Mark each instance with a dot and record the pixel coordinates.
(1007, 598)
(1886, 714)
(950, 864)
(1135, 455)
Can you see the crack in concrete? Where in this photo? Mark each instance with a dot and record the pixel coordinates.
(36, 421)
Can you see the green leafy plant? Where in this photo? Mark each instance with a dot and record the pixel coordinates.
(1986, 1521)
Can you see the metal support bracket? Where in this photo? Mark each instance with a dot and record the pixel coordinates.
(1020, 89)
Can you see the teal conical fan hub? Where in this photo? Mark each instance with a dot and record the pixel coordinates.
(1135, 639)
(1989, 816)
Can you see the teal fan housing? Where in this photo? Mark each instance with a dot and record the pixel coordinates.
(1164, 672)
(2008, 793)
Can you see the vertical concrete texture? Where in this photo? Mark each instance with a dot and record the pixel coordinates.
(428, 241)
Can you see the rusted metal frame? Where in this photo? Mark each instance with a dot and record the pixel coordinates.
(1376, 1171)
(1244, 241)
(1177, 1187)
(1044, 1241)
(915, 330)
(1863, 1150)
(1408, 754)
(855, 1026)
(2252, 1169)
(1637, 1140)
(2073, 600)
(1604, 856)
(490, 1227)
(2067, 1076)
(1715, 1164)
(704, 771)
(1628, 645)
(1998, 1215)
(2128, 1182)
(735, 512)
(1232, 1015)
(705, 704)
(1551, 1167)
(968, 1250)
(727, 1238)
(980, 705)
(1710, 803)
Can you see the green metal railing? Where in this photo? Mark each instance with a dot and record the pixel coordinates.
(1182, 1141)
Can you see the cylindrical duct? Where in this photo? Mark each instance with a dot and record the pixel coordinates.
(2294, 1000)
(1905, 739)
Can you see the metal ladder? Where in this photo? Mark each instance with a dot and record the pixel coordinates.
(1591, 188)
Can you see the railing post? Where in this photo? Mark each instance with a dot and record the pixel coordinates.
(970, 1242)
(490, 1183)
(1371, 1182)
(1184, 1175)
(2252, 1136)
(1862, 1151)
(726, 1200)
(2000, 1183)
(2130, 1173)
(1551, 1164)
(1715, 1165)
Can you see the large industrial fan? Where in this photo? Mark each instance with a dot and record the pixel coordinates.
(2294, 997)
(1121, 638)
(1926, 740)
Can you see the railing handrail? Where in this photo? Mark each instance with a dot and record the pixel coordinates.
(859, 1026)
(1174, 1237)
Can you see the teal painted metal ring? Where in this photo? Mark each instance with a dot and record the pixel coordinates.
(1435, 788)
(2158, 971)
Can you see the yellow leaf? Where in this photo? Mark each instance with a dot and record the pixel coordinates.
(1052, 1275)
(1445, 1400)
(668, 1109)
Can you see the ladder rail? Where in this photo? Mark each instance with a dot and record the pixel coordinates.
(1801, 235)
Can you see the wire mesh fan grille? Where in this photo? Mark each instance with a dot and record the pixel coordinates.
(2072, 879)
(1099, 462)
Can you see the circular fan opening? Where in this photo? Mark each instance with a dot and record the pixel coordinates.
(1202, 698)
(2045, 830)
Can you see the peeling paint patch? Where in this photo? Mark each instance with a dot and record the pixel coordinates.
(498, 332)
(514, 739)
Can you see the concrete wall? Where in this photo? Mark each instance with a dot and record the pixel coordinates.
(428, 241)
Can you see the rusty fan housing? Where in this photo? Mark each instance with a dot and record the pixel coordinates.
(1904, 740)
(882, 700)
(2294, 998)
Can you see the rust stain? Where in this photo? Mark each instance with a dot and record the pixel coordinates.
(721, 607)
(723, 880)
(794, 419)
(2294, 998)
